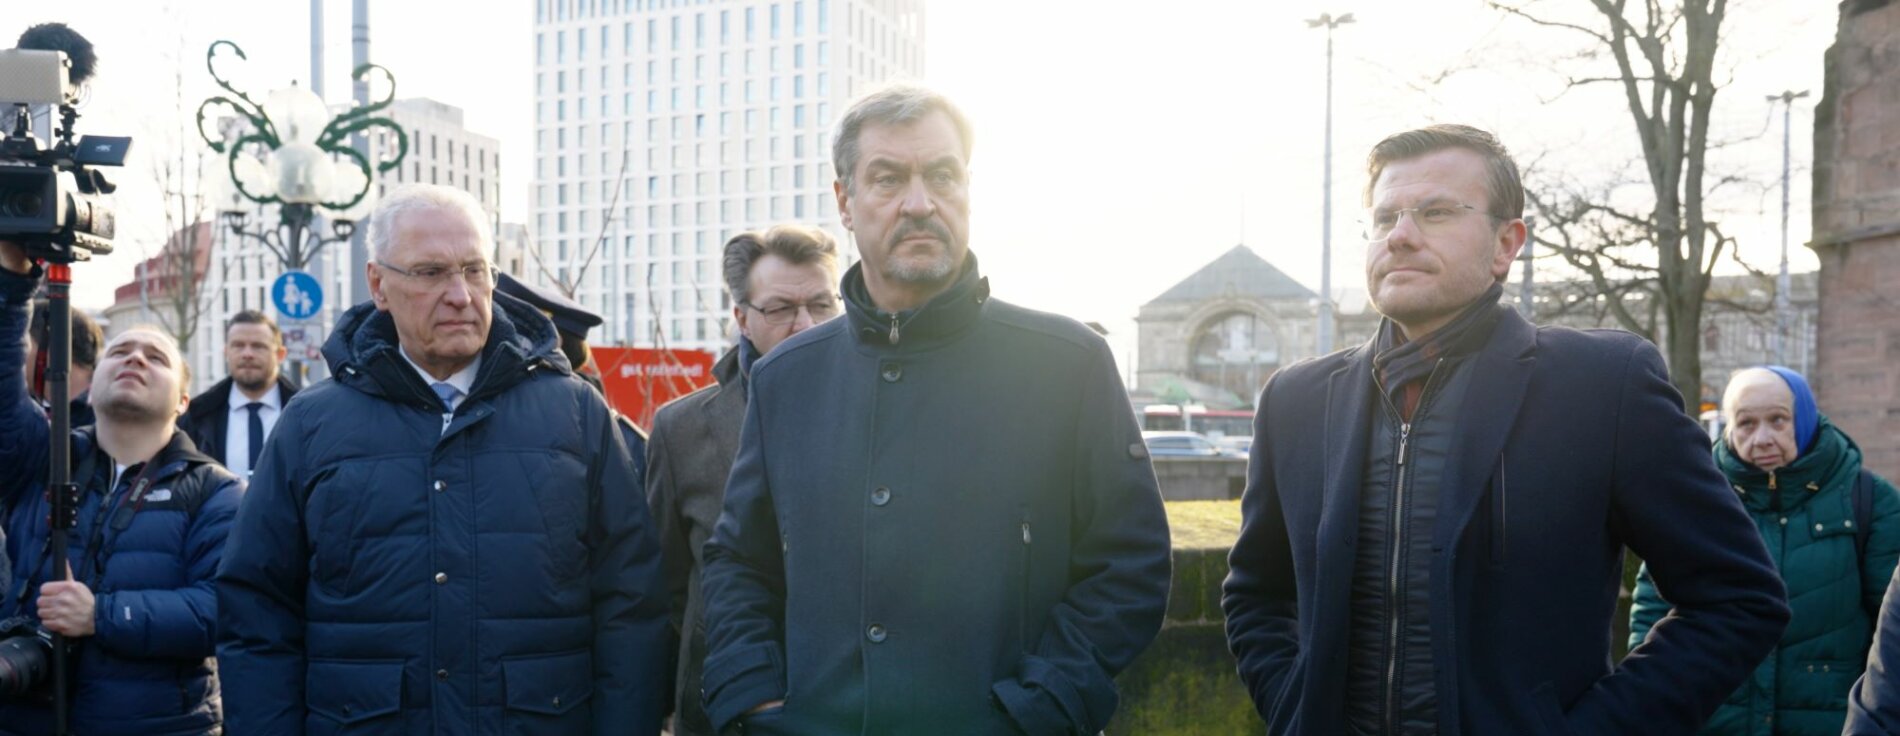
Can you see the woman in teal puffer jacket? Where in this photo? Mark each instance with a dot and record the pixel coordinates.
(1795, 473)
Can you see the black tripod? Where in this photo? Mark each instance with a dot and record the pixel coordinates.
(62, 493)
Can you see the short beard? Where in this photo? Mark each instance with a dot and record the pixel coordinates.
(251, 386)
(936, 271)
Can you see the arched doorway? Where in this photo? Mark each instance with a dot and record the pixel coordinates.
(1235, 351)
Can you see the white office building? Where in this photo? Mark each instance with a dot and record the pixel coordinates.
(441, 151)
(663, 127)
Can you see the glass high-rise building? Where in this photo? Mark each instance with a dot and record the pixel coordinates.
(663, 127)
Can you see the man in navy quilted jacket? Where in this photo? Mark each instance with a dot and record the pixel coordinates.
(153, 514)
(448, 536)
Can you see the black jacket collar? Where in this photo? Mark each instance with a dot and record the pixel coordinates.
(177, 454)
(216, 400)
(942, 318)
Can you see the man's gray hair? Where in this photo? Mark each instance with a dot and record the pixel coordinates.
(896, 104)
(417, 198)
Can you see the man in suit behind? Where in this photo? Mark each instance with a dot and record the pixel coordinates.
(1434, 522)
(782, 282)
(230, 420)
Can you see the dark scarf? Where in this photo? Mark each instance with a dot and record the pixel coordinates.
(747, 353)
(1403, 366)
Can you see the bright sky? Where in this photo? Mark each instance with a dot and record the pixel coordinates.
(1119, 145)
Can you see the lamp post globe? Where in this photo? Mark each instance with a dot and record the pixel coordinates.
(304, 174)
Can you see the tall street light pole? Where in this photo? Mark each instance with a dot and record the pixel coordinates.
(358, 262)
(1783, 320)
(316, 47)
(1327, 21)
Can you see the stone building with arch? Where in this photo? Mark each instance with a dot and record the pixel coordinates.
(1214, 338)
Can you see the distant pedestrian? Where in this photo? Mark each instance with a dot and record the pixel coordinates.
(231, 420)
(1833, 530)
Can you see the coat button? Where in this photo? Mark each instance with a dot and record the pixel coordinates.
(880, 496)
(1818, 527)
(557, 701)
(441, 486)
(441, 674)
(1784, 521)
(441, 577)
(875, 633)
(893, 372)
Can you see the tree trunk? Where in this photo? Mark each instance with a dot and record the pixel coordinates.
(1684, 351)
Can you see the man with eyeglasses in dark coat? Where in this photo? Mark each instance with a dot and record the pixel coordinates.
(1433, 528)
(783, 281)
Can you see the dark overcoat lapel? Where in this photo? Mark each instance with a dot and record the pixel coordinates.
(1501, 376)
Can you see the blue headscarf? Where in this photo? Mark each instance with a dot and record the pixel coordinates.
(1806, 416)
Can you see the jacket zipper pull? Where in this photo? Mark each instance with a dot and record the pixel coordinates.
(893, 335)
(1771, 480)
(1405, 434)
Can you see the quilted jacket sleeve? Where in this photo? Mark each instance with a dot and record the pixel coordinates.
(23, 429)
(178, 623)
(260, 586)
(630, 617)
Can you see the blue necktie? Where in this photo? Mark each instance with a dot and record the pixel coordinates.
(448, 393)
(257, 434)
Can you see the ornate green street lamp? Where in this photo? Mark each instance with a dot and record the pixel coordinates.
(294, 154)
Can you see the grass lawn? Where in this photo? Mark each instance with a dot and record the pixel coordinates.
(1204, 524)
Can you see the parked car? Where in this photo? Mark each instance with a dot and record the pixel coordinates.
(1181, 444)
(1236, 445)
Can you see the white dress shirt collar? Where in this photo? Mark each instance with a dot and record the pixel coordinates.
(462, 380)
(273, 399)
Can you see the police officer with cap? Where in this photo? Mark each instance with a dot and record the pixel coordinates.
(573, 321)
(570, 319)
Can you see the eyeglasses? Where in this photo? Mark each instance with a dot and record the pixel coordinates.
(820, 309)
(478, 275)
(1430, 218)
